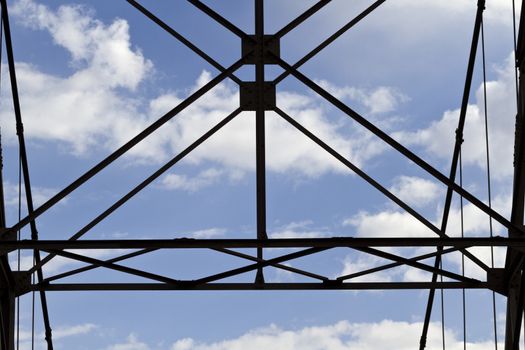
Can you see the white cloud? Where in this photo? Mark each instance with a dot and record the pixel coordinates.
(132, 343)
(415, 190)
(208, 233)
(59, 332)
(382, 99)
(301, 229)
(40, 194)
(191, 184)
(85, 109)
(438, 138)
(105, 50)
(387, 224)
(340, 336)
(64, 332)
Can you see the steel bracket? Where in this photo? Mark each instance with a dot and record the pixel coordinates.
(6, 236)
(249, 95)
(497, 281)
(271, 49)
(22, 281)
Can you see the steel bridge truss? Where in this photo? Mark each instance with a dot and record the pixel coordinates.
(260, 50)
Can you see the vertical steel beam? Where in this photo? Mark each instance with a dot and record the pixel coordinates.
(455, 158)
(260, 146)
(515, 257)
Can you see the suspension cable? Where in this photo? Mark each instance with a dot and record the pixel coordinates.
(515, 41)
(442, 309)
(33, 312)
(462, 224)
(489, 187)
(18, 252)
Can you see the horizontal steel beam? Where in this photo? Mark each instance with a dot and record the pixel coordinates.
(190, 243)
(256, 286)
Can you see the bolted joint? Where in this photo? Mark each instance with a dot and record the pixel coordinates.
(268, 49)
(497, 281)
(22, 281)
(481, 3)
(250, 92)
(19, 128)
(332, 283)
(459, 136)
(259, 277)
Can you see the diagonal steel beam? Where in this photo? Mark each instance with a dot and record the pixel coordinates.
(276, 265)
(392, 265)
(330, 39)
(300, 19)
(144, 183)
(92, 267)
(397, 146)
(181, 39)
(263, 263)
(149, 250)
(219, 276)
(126, 147)
(221, 20)
(418, 265)
(374, 183)
(113, 266)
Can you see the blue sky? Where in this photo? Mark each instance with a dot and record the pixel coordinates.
(93, 74)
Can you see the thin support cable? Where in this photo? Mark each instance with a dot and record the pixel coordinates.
(515, 41)
(462, 223)
(18, 252)
(33, 312)
(514, 44)
(443, 339)
(489, 187)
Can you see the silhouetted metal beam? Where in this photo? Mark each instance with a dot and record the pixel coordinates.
(259, 265)
(260, 133)
(514, 262)
(127, 146)
(62, 287)
(144, 183)
(396, 145)
(392, 265)
(415, 264)
(374, 183)
(181, 39)
(190, 243)
(301, 18)
(220, 19)
(330, 39)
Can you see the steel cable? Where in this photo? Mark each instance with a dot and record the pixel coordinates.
(489, 187)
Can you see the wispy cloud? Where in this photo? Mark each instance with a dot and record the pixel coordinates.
(339, 336)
